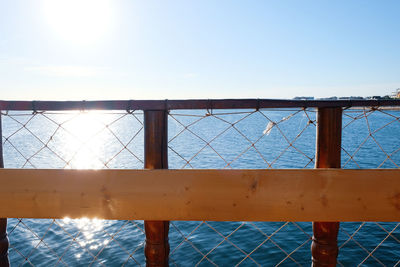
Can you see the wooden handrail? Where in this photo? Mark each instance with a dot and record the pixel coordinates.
(218, 195)
(189, 104)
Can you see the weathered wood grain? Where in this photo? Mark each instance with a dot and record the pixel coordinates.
(220, 195)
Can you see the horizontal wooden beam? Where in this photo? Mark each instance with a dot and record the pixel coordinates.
(219, 195)
(190, 104)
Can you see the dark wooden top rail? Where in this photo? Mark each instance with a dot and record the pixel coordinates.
(189, 104)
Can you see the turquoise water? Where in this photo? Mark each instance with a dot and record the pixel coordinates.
(225, 139)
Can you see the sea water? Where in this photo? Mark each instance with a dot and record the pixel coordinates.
(239, 139)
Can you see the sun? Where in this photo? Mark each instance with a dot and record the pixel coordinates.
(79, 21)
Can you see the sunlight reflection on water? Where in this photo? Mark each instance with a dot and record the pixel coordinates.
(83, 146)
(87, 227)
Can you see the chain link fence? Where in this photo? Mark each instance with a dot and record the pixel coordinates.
(198, 139)
(74, 140)
(241, 139)
(370, 140)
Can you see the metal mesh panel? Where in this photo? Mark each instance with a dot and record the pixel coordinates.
(83, 140)
(246, 139)
(254, 139)
(370, 139)
(79, 140)
(242, 139)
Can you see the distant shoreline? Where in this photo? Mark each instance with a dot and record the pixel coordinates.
(377, 107)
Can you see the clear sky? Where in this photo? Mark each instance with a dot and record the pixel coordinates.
(99, 49)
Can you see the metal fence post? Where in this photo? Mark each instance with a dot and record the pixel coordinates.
(324, 247)
(156, 157)
(3, 221)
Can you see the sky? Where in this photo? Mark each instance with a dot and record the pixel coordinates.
(101, 49)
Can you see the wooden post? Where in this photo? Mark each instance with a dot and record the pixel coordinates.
(156, 157)
(3, 221)
(324, 247)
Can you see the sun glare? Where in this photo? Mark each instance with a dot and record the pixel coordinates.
(79, 21)
(84, 143)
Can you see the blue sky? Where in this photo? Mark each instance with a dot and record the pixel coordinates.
(197, 49)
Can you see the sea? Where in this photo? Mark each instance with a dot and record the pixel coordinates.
(198, 139)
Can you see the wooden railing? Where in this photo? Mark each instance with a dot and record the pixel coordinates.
(168, 104)
(214, 195)
(157, 196)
